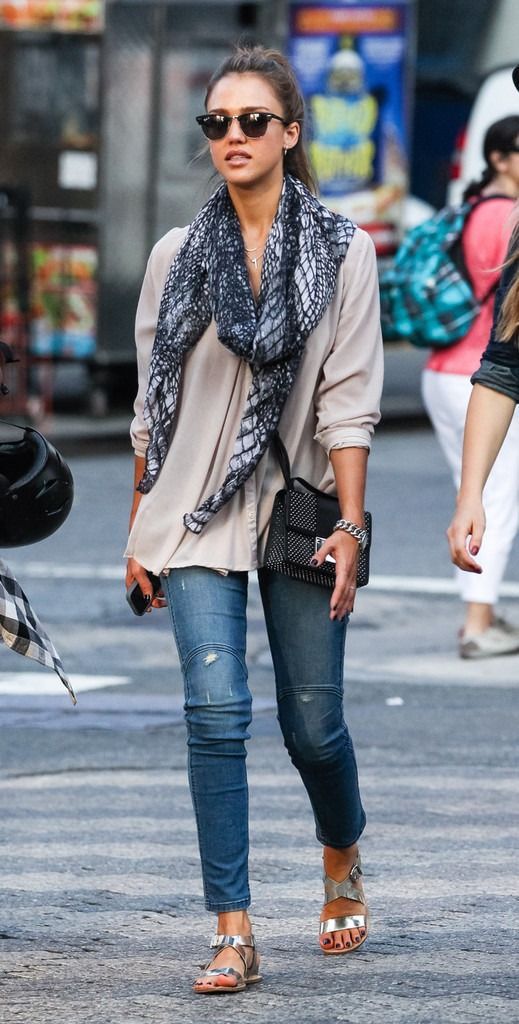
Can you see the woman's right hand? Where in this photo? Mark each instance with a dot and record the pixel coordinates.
(468, 521)
(135, 571)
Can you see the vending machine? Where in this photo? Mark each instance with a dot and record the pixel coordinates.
(50, 60)
(98, 131)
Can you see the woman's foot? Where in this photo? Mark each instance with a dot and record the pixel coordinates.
(235, 923)
(343, 866)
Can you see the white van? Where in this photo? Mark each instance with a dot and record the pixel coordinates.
(497, 97)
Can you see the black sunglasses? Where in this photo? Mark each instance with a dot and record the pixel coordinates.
(254, 125)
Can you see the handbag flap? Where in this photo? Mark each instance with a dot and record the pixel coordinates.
(309, 511)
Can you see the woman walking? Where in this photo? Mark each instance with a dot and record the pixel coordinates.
(261, 316)
(446, 391)
(490, 415)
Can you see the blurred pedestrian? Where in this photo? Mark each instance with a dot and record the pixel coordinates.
(262, 314)
(446, 391)
(491, 415)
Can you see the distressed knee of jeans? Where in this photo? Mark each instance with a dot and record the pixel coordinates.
(218, 702)
(313, 728)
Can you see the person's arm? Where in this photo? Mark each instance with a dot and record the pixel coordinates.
(488, 418)
(349, 467)
(347, 408)
(145, 327)
(135, 571)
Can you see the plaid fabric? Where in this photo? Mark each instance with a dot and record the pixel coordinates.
(21, 630)
(426, 296)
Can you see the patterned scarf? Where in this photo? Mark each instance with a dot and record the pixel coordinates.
(208, 278)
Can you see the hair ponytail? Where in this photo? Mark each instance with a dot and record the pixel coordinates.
(475, 188)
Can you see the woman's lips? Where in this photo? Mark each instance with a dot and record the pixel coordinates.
(237, 159)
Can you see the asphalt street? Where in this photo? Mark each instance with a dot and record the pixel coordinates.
(101, 916)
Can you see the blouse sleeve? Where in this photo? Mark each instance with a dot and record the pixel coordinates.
(348, 394)
(499, 369)
(504, 353)
(146, 326)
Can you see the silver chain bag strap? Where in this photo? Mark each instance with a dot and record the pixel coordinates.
(302, 519)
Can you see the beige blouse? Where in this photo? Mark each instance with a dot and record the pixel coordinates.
(334, 403)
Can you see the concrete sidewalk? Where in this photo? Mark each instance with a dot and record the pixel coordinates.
(100, 895)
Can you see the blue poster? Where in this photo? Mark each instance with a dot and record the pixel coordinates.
(351, 62)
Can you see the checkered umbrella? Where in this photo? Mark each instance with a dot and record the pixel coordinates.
(21, 630)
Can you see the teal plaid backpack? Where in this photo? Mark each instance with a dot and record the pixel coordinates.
(427, 297)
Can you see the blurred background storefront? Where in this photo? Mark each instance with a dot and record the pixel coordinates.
(101, 154)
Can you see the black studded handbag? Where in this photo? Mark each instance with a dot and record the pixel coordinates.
(302, 518)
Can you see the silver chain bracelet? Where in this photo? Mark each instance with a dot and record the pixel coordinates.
(361, 535)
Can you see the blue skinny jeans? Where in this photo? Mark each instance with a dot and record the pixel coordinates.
(208, 613)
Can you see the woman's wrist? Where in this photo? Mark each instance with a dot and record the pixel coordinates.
(469, 496)
(359, 533)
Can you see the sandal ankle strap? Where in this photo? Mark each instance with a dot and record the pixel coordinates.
(233, 940)
(334, 890)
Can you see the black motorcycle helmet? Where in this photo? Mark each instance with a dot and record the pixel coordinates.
(36, 487)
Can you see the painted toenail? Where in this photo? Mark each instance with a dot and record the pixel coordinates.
(357, 937)
(348, 944)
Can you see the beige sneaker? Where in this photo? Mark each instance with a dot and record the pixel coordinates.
(500, 638)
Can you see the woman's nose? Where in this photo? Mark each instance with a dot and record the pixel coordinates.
(236, 132)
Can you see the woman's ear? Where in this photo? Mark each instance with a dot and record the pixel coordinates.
(291, 135)
(498, 161)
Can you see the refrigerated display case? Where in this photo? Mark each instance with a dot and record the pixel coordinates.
(155, 172)
(50, 59)
(98, 127)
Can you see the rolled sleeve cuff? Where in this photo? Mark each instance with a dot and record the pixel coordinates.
(352, 437)
(139, 437)
(497, 377)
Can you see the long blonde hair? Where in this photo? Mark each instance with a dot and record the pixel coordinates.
(508, 322)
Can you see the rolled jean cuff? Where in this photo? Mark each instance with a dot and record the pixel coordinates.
(324, 841)
(227, 908)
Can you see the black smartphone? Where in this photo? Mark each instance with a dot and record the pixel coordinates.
(136, 598)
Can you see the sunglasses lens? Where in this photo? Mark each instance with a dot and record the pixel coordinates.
(254, 125)
(214, 126)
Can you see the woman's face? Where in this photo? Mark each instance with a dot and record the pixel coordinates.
(242, 161)
(506, 166)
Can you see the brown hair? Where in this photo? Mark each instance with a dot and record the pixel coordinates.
(276, 69)
(508, 323)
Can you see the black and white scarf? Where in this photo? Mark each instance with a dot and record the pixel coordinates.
(208, 278)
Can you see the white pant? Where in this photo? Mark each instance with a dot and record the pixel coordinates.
(446, 396)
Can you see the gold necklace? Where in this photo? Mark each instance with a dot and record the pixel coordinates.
(254, 259)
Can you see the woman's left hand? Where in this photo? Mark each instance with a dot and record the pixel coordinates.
(344, 549)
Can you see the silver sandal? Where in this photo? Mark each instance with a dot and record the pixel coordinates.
(250, 973)
(334, 890)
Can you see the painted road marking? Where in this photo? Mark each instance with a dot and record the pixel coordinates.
(394, 584)
(23, 683)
